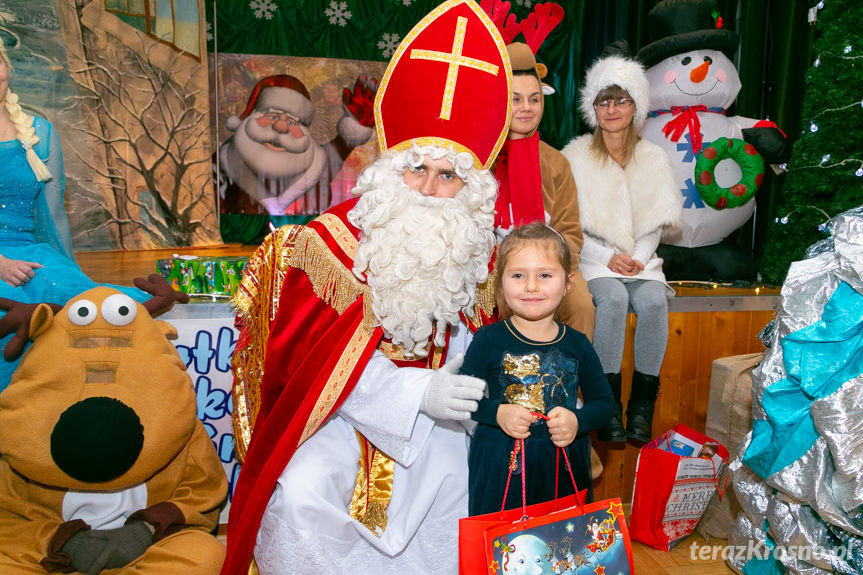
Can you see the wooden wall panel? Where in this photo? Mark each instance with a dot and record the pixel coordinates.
(695, 339)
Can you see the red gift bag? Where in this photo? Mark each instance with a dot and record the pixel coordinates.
(564, 533)
(676, 475)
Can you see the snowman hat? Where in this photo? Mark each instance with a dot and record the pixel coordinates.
(678, 26)
(616, 70)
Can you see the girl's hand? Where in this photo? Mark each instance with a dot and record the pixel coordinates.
(514, 420)
(17, 272)
(562, 425)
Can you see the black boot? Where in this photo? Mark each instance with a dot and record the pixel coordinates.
(613, 431)
(639, 410)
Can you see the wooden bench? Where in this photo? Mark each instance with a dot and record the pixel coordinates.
(706, 322)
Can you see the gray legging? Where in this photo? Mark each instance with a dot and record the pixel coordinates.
(614, 298)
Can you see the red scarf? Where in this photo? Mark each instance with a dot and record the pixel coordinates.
(520, 183)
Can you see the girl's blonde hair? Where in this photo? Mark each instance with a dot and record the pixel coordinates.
(24, 127)
(537, 233)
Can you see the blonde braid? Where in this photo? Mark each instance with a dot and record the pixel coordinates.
(27, 136)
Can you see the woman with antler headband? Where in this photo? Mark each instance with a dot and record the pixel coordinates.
(36, 259)
(535, 182)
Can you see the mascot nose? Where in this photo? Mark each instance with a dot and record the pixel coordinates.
(698, 74)
(97, 439)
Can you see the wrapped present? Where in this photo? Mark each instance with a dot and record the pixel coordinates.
(216, 277)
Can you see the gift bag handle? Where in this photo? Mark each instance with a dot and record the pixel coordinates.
(518, 446)
(724, 488)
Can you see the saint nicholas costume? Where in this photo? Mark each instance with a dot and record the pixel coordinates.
(343, 472)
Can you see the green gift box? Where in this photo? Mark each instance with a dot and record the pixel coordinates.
(203, 276)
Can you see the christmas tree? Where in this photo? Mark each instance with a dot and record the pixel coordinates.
(825, 173)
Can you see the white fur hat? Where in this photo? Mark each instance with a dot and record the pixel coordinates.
(624, 72)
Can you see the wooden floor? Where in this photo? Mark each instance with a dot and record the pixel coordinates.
(686, 368)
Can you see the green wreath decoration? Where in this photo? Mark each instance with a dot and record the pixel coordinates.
(751, 165)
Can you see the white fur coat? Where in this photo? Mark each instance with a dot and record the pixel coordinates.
(621, 206)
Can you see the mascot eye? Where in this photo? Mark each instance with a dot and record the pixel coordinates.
(82, 312)
(119, 309)
(708, 59)
(686, 61)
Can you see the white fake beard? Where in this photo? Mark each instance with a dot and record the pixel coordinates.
(423, 258)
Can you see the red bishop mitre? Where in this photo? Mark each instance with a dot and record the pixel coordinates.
(448, 84)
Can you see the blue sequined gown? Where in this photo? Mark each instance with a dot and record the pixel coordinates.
(28, 233)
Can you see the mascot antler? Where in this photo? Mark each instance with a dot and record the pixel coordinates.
(164, 296)
(539, 23)
(507, 26)
(20, 315)
(17, 320)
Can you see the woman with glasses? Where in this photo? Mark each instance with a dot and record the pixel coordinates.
(626, 195)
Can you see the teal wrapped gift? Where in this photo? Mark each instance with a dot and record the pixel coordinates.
(203, 276)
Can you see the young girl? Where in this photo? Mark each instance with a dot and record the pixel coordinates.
(534, 367)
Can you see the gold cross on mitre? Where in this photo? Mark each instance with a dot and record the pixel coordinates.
(454, 60)
(462, 37)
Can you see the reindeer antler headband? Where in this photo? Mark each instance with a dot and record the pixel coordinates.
(535, 28)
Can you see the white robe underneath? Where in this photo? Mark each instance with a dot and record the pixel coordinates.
(307, 527)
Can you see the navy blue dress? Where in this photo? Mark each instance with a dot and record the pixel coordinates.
(541, 375)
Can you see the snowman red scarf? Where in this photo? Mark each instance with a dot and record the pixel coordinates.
(686, 117)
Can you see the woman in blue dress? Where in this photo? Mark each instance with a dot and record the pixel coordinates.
(36, 259)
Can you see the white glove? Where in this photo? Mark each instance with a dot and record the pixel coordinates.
(450, 395)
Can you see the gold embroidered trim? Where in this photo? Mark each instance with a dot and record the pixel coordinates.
(340, 233)
(374, 487)
(331, 280)
(485, 301)
(454, 60)
(256, 302)
(347, 361)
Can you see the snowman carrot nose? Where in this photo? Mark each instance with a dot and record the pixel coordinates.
(698, 74)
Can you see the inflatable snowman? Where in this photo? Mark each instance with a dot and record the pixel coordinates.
(718, 160)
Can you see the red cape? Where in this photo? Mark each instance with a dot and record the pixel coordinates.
(305, 380)
(319, 344)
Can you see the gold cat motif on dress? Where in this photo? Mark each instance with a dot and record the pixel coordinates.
(526, 394)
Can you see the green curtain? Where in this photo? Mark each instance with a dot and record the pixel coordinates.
(773, 55)
(373, 28)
